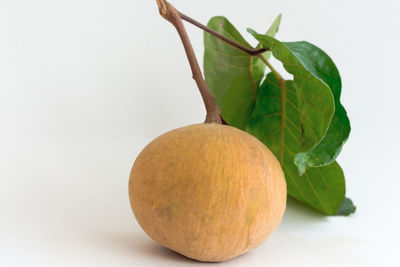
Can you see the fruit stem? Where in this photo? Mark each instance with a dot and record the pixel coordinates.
(169, 12)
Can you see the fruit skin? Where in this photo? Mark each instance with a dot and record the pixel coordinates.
(207, 191)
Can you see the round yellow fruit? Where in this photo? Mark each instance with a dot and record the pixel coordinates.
(207, 191)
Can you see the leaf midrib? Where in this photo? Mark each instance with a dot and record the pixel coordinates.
(283, 116)
(283, 88)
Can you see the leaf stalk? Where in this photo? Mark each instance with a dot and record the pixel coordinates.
(273, 70)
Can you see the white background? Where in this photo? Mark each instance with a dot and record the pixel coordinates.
(85, 85)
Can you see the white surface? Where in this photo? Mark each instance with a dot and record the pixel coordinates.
(85, 85)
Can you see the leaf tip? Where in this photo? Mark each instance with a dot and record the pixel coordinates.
(279, 18)
(251, 31)
(346, 208)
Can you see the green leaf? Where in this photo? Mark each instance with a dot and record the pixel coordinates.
(275, 26)
(272, 31)
(347, 207)
(321, 65)
(290, 117)
(316, 104)
(276, 122)
(232, 75)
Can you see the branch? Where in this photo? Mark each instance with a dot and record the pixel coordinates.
(168, 12)
(250, 51)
